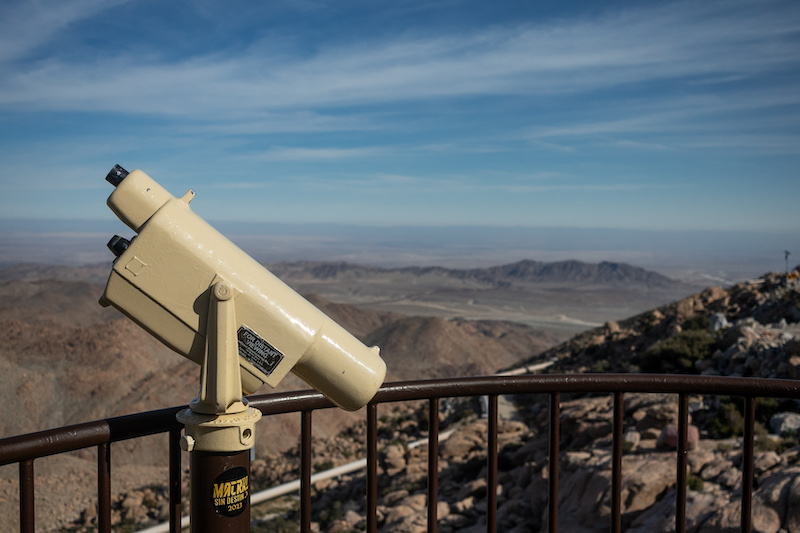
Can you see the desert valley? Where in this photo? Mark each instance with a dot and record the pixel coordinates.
(66, 359)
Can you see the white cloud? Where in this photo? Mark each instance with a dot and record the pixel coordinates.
(238, 185)
(25, 25)
(305, 154)
(694, 41)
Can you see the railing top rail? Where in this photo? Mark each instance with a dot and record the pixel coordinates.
(84, 435)
(69, 438)
(566, 383)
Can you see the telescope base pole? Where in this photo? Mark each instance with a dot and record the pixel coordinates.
(220, 492)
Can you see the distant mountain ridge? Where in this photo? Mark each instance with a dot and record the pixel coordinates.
(525, 271)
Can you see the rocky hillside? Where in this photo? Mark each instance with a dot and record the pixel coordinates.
(66, 359)
(750, 329)
(739, 331)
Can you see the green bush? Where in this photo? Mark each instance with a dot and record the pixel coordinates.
(766, 408)
(694, 482)
(324, 465)
(276, 525)
(627, 447)
(680, 352)
(729, 420)
(647, 321)
(697, 322)
(332, 513)
(765, 444)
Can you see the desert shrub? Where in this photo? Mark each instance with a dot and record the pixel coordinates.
(647, 321)
(389, 424)
(627, 447)
(729, 420)
(332, 513)
(725, 447)
(324, 465)
(679, 353)
(694, 482)
(697, 322)
(469, 470)
(598, 367)
(276, 525)
(766, 408)
(765, 444)
(505, 457)
(414, 485)
(791, 439)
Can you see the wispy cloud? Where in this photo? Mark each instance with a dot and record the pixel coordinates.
(585, 187)
(289, 121)
(24, 26)
(627, 143)
(239, 185)
(477, 183)
(697, 41)
(683, 121)
(286, 153)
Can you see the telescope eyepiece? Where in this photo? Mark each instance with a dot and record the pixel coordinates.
(118, 245)
(116, 175)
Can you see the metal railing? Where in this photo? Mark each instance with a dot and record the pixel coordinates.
(25, 449)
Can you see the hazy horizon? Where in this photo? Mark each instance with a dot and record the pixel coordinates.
(695, 256)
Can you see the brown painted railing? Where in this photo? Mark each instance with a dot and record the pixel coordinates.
(26, 448)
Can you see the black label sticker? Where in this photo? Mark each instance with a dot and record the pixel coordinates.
(257, 351)
(230, 492)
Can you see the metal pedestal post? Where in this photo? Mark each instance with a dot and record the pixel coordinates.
(220, 427)
(220, 491)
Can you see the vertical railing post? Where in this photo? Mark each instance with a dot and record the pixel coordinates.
(104, 488)
(747, 462)
(175, 480)
(433, 464)
(491, 467)
(372, 468)
(616, 465)
(555, 445)
(682, 460)
(305, 472)
(27, 513)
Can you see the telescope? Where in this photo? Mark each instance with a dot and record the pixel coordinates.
(163, 279)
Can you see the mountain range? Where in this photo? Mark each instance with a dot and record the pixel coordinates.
(521, 272)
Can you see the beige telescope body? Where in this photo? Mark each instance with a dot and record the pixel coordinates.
(162, 279)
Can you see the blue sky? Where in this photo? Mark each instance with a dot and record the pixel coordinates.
(630, 115)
